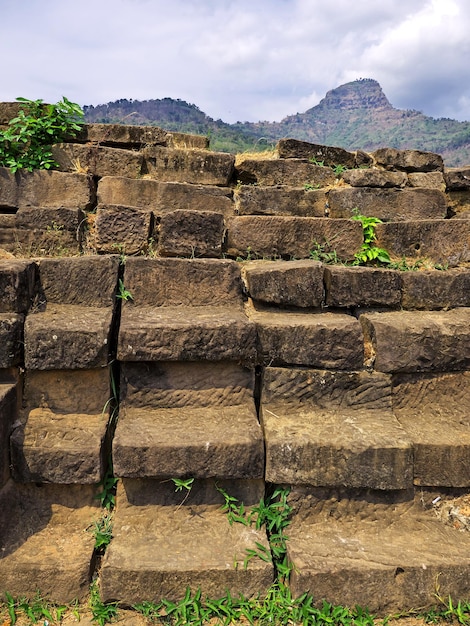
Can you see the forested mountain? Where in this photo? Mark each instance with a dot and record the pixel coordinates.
(354, 116)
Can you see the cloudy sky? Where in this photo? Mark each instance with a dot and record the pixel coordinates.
(246, 60)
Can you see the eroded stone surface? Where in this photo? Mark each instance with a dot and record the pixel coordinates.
(17, 280)
(191, 234)
(8, 402)
(251, 200)
(408, 160)
(98, 160)
(362, 286)
(47, 188)
(436, 289)
(122, 229)
(11, 339)
(189, 166)
(374, 178)
(329, 155)
(291, 172)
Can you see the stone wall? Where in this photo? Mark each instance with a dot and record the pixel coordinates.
(160, 306)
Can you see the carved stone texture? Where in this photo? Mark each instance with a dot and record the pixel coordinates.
(445, 242)
(11, 339)
(435, 289)
(424, 341)
(388, 204)
(271, 236)
(8, 189)
(362, 286)
(429, 180)
(177, 545)
(285, 283)
(251, 200)
(328, 155)
(161, 197)
(189, 166)
(457, 178)
(384, 553)
(121, 229)
(122, 135)
(325, 340)
(191, 234)
(408, 160)
(8, 406)
(434, 411)
(43, 544)
(51, 189)
(290, 172)
(17, 283)
(97, 160)
(374, 178)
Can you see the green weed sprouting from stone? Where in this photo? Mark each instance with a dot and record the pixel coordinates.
(108, 484)
(102, 530)
(101, 613)
(123, 293)
(369, 252)
(27, 141)
(183, 483)
(34, 610)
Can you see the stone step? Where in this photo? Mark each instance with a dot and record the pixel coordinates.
(17, 285)
(386, 552)
(11, 340)
(43, 543)
(165, 541)
(331, 429)
(61, 434)
(8, 408)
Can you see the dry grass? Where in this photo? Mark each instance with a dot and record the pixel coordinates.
(265, 155)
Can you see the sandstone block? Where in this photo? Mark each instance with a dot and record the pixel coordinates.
(123, 135)
(275, 236)
(425, 341)
(251, 200)
(285, 283)
(291, 172)
(445, 242)
(186, 141)
(329, 155)
(53, 520)
(175, 384)
(324, 340)
(55, 220)
(51, 189)
(459, 203)
(436, 289)
(362, 286)
(8, 189)
(457, 178)
(408, 160)
(384, 553)
(67, 337)
(201, 442)
(8, 111)
(8, 406)
(388, 204)
(121, 229)
(17, 285)
(163, 197)
(374, 178)
(183, 282)
(189, 166)
(11, 339)
(433, 409)
(58, 448)
(175, 546)
(430, 180)
(97, 160)
(191, 234)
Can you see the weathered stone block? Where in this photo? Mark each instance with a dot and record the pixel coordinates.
(384, 553)
(459, 203)
(362, 286)
(8, 189)
(11, 339)
(183, 282)
(457, 178)
(122, 135)
(84, 281)
(436, 289)
(274, 236)
(425, 341)
(430, 180)
(17, 285)
(286, 283)
(445, 242)
(374, 178)
(329, 155)
(67, 337)
(202, 442)
(408, 160)
(8, 406)
(51, 189)
(251, 200)
(53, 520)
(97, 160)
(433, 409)
(189, 166)
(8, 111)
(191, 234)
(177, 545)
(388, 204)
(186, 141)
(290, 172)
(121, 229)
(325, 340)
(58, 448)
(56, 220)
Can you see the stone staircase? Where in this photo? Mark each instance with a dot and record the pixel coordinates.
(349, 385)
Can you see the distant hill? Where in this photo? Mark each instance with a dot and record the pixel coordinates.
(355, 116)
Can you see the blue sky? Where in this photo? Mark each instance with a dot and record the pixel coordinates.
(246, 60)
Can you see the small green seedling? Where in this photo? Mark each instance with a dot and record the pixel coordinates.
(123, 293)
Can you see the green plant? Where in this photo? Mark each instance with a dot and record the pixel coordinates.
(339, 169)
(102, 530)
(101, 613)
(311, 186)
(27, 141)
(107, 495)
(183, 483)
(314, 161)
(321, 252)
(34, 610)
(123, 293)
(369, 252)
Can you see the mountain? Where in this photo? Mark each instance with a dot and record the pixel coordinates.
(355, 116)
